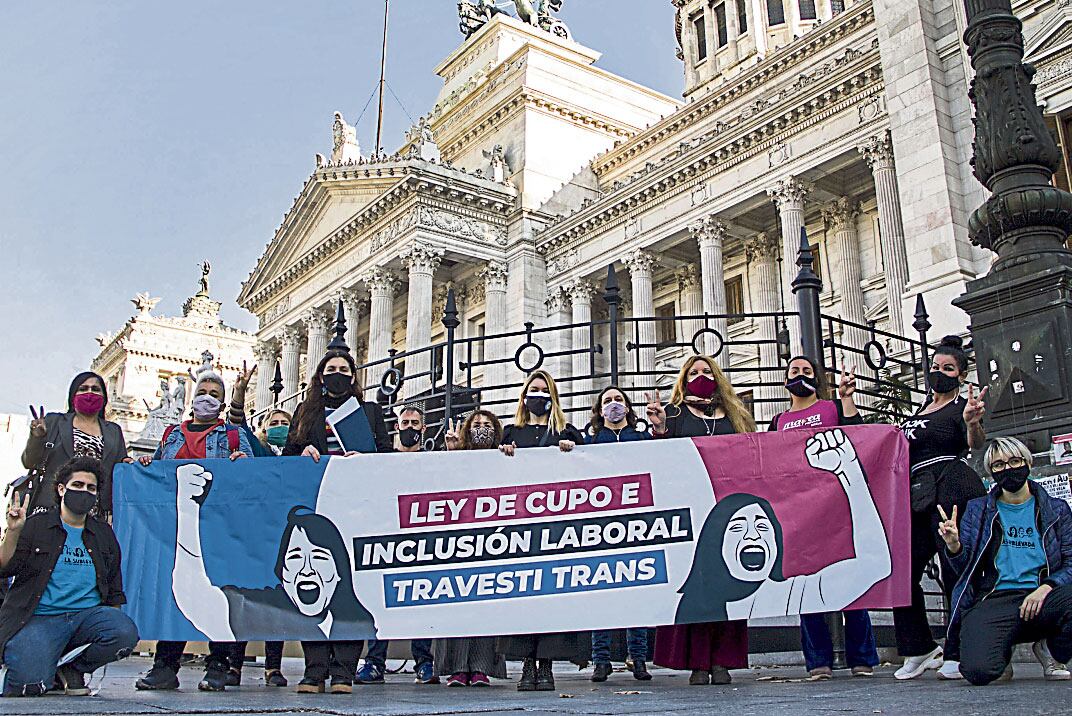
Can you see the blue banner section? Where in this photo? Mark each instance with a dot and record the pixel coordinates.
(242, 519)
(526, 579)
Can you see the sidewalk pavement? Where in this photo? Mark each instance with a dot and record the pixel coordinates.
(759, 692)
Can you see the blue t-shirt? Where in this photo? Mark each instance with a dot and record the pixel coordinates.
(626, 434)
(73, 584)
(1021, 556)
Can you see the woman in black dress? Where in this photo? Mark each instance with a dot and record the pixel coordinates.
(702, 403)
(939, 436)
(540, 422)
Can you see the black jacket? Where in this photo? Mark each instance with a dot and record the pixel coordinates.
(374, 414)
(59, 434)
(36, 554)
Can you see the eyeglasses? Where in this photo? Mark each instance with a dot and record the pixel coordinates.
(1013, 462)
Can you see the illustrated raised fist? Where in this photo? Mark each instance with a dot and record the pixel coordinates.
(830, 451)
(194, 481)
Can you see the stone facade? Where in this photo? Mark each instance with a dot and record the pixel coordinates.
(849, 119)
(147, 363)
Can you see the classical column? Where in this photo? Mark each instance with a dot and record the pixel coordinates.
(878, 152)
(688, 284)
(580, 292)
(558, 315)
(788, 196)
(291, 351)
(264, 352)
(381, 284)
(494, 276)
(641, 264)
(317, 325)
(840, 217)
(710, 234)
(762, 252)
(421, 260)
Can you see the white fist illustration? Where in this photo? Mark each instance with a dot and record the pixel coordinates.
(194, 481)
(830, 451)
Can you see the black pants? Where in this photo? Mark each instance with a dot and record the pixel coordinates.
(273, 655)
(337, 659)
(223, 655)
(910, 625)
(992, 627)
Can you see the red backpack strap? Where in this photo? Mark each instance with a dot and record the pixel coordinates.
(167, 432)
(232, 438)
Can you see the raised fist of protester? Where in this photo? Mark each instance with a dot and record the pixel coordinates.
(451, 438)
(975, 408)
(847, 383)
(948, 530)
(193, 480)
(16, 513)
(656, 412)
(37, 425)
(830, 451)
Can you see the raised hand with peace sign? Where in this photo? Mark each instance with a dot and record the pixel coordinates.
(37, 425)
(451, 438)
(948, 530)
(656, 412)
(16, 512)
(975, 408)
(847, 383)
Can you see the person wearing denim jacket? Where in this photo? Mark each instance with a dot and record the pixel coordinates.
(1012, 551)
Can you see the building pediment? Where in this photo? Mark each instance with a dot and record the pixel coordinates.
(1053, 37)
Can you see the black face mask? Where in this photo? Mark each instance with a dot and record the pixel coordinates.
(338, 383)
(941, 382)
(802, 386)
(408, 437)
(538, 406)
(1011, 479)
(79, 502)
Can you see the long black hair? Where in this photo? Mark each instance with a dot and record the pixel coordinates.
(597, 422)
(309, 416)
(710, 586)
(344, 606)
(77, 383)
(822, 385)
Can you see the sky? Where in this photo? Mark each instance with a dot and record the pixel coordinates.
(139, 138)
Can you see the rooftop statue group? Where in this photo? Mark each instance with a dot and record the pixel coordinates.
(474, 14)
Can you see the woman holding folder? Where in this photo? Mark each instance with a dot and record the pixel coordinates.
(318, 429)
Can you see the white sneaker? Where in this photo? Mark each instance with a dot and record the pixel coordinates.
(950, 671)
(916, 665)
(1052, 670)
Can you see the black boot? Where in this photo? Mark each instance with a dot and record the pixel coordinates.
(640, 671)
(602, 672)
(159, 678)
(545, 678)
(528, 676)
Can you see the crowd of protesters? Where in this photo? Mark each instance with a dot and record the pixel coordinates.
(60, 560)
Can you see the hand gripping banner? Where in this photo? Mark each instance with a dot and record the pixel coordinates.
(476, 543)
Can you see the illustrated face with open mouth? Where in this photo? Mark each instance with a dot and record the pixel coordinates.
(310, 576)
(749, 546)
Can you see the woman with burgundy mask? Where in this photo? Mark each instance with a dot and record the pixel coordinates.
(702, 403)
(939, 436)
(57, 438)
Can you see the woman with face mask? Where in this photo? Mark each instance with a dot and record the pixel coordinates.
(470, 661)
(539, 422)
(274, 430)
(56, 438)
(67, 591)
(310, 435)
(205, 436)
(1011, 551)
(613, 421)
(809, 407)
(939, 437)
(702, 403)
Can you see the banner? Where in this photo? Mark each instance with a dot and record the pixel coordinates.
(475, 543)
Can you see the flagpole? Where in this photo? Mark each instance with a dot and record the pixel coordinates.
(383, 79)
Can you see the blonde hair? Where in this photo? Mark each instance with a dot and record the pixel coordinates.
(725, 397)
(262, 432)
(1006, 448)
(556, 421)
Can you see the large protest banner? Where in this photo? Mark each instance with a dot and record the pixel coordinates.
(468, 543)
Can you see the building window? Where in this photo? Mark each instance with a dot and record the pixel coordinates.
(807, 10)
(699, 26)
(742, 16)
(666, 326)
(837, 6)
(720, 23)
(817, 263)
(734, 299)
(775, 13)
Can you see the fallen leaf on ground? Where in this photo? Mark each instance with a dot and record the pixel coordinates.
(566, 696)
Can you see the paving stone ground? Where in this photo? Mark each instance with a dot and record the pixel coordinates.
(762, 692)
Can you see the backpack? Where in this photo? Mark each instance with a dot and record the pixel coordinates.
(232, 435)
